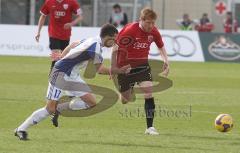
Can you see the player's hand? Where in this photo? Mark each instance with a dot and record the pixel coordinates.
(55, 56)
(125, 69)
(165, 69)
(67, 26)
(37, 37)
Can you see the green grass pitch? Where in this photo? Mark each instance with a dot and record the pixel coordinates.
(209, 88)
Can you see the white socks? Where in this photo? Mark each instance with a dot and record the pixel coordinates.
(36, 117)
(42, 113)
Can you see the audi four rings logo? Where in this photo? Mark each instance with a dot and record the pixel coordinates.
(178, 45)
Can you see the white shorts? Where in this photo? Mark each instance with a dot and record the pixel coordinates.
(55, 93)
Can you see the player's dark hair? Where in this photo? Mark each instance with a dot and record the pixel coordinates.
(116, 6)
(108, 30)
(229, 13)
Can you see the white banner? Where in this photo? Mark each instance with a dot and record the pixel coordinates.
(19, 40)
(180, 46)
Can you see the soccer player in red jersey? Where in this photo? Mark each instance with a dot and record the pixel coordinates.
(132, 47)
(60, 23)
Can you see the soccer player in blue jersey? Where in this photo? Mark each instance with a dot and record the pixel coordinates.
(66, 80)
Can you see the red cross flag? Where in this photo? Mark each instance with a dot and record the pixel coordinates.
(220, 8)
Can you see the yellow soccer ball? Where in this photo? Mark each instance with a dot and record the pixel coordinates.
(224, 122)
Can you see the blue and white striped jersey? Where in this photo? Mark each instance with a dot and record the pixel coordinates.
(78, 57)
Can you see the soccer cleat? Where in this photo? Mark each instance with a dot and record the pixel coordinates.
(55, 119)
(22, 135)
(151, 131)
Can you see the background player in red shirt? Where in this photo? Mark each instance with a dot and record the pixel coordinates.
(60, 23)
(133, 45)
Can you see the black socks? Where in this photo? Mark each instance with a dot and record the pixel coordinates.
(149, 110)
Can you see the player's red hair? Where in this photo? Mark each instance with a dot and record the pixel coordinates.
(148, 13)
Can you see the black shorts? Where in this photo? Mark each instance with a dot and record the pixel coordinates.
(55, 43)
(136, 75)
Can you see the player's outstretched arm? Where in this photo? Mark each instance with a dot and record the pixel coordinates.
(78, 19)
(108, 71)
(74, 22)
(69, 47)
(41, 22)
(55, 56)
(164, 56)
